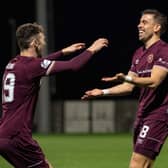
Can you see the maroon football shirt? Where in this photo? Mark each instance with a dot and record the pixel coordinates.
(21, 83)
(19, 95)
(153, 103)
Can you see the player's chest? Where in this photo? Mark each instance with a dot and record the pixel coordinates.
(144, 63)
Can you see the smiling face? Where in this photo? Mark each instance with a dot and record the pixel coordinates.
(148, 28)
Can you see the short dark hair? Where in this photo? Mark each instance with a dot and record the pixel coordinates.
(26, 32)
(159, 17)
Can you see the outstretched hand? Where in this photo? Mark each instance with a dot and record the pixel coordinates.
(109, 79)
(98, 44)
(72, 48)
(117, 77)
(120, 77)
(92, 93)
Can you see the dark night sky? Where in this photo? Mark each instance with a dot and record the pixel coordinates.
(84, 21)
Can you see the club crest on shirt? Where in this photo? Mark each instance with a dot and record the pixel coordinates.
(150, 58)
(45, 63)
(137, 61)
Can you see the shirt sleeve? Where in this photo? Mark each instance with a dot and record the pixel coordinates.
(54, 56)
(73, 64)
(162, 57)
(38, 67)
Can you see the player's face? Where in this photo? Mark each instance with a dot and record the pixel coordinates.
(147, 27)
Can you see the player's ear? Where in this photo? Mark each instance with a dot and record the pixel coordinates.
(34, 43)
(157, 27)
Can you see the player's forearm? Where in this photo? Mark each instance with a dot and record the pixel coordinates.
(79, 61)
(55, 55)
(144, 82)
(119, 90)
(158, 74)
(74, 64)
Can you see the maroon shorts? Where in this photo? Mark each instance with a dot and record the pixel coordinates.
(22, 153)
(149, 136)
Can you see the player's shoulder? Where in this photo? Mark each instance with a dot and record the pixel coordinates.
(138, 52)
(27, 62)
(163, 44)
(163, 48)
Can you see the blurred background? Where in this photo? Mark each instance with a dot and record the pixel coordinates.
(60, 109)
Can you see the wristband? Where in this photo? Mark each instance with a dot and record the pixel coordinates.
(106, 91)
(128, 78)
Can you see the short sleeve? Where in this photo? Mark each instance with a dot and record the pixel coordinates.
(162, 57)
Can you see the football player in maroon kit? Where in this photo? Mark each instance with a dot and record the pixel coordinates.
(149, 72)
(20, 88)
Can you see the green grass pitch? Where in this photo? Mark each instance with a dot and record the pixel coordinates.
(90, 151)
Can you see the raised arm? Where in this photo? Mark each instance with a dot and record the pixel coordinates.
(124, 88)
(131, 80)
(79, 61)
(66, 51)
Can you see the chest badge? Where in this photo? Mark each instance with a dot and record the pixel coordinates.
(150, 58)
(137, 61)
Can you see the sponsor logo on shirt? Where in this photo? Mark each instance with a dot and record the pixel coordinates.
(45, 63)
(145, 71)
(162, 61)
